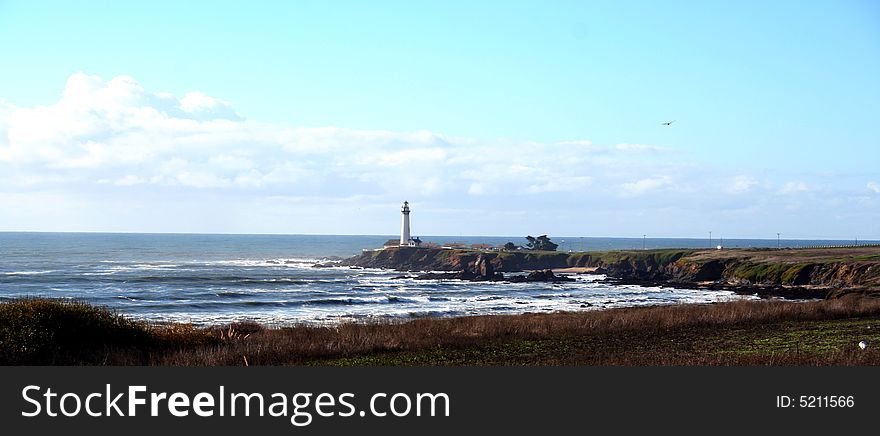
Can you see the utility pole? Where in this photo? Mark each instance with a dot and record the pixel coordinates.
(710, 239)
(777, 240)
(643, 241)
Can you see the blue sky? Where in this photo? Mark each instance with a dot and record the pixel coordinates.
(501, 118)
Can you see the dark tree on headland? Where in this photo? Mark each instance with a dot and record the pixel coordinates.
(542, 243)
(510, 246)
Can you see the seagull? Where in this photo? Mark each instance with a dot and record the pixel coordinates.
(668, 122)
(863, 344)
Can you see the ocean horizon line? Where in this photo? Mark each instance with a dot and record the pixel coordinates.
(391, 235)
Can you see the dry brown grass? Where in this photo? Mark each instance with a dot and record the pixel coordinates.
(792, 255)
(734, 333)
(300, 345)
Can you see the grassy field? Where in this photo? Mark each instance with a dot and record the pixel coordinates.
(794, 255)
(736, 333)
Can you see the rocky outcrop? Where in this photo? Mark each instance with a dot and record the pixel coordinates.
(540, 276)
(436, 259)
(763, 275)
(831, 272)
(482, 270)
(534, 276)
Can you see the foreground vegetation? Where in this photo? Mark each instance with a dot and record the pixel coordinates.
(53, 332)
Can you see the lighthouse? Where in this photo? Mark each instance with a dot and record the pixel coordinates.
(404, 225)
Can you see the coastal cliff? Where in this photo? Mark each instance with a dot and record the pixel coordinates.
(817, 271)
(436, 259)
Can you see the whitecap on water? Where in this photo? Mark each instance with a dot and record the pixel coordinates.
(28, 273)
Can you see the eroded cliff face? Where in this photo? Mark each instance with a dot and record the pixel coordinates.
(436, 259)
(837, 277)
(795, 268)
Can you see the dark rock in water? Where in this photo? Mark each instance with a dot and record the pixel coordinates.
(461, 275)
(431, 276)
(792, 293)
(481, 271)
(541, 276)
(483, 268)
(486, 274)
(325, 265)
(273, 262)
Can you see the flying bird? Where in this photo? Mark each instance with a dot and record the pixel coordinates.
(668, 122)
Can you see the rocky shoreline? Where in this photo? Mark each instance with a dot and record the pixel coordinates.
(483, 271)
(786, 273)
(762, 291)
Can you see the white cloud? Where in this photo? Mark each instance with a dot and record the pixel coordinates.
(741, 184)
(415, 156)
(583, 146)
(477, 189)
(231, 162)
(6, 109)
(107, 138)
(116, 133)
(202, 179)
(206, 107)
(643, 186)
(561, 184)
(793, 188)
(639, 148)
(129, 180)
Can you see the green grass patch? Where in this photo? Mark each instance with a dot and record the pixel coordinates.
(496, 353)
(816, 337)
(657, 257)
(791, 342)
(789, 276)
(761, 272)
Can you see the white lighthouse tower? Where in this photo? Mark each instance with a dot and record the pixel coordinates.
(404, 225)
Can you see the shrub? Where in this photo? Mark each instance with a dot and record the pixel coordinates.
(43, 331)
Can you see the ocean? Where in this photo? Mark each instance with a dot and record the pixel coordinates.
(210, 279)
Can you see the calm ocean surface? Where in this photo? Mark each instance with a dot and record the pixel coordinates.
(208, 279)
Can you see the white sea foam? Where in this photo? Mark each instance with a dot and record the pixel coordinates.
(28, 273)
(140, 267)
(289, 291)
